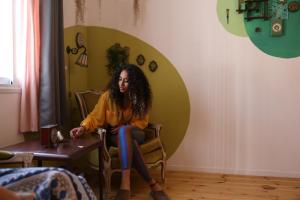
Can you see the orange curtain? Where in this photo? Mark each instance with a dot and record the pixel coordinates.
(27, 61)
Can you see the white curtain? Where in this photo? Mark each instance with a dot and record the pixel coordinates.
(27, 61)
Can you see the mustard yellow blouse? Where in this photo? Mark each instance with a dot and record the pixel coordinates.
(106, 112)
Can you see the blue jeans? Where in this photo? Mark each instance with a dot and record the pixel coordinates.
(136, 134)
(130, 153)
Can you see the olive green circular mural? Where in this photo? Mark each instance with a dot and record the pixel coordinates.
(272, 25)
(171, 106)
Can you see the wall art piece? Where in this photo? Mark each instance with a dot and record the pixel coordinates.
(272, 25)
(153, 66)
(294, 6)
(140, 60)
(82, 60)
(80, 11)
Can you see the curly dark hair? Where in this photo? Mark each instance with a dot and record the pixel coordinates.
(139, 90)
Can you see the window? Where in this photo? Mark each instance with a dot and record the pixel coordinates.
(7, 43)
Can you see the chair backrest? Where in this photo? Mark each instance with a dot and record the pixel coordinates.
(87, 100)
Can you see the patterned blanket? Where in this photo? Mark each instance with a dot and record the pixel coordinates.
(48, 183)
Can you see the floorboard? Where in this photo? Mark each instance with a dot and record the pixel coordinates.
(209, 186)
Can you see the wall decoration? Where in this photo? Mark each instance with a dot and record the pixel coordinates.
(279, 10)
(227, 15)
(136, 8)
(257, 9)
(272, 25)
(293, 6)
(153, 66)
(80, 11)
(82, 60)
(235, 21)
(116, 56)
(276, 27)
(140, 60)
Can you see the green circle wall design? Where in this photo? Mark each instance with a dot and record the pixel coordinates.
(285, 46)
(235, 21)
(171, 105)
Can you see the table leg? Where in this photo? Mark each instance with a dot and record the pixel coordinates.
(101, 178)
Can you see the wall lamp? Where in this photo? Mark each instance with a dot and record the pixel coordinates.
(82, 60)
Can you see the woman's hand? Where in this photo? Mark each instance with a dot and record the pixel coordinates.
(77, 132)
(115, 130)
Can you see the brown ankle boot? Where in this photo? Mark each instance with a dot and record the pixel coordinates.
(123, 195)
(159, 195)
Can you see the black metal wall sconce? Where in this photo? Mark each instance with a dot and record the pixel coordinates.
(82, 60)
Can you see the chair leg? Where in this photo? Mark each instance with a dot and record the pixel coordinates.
(162, 171)
(107, 181)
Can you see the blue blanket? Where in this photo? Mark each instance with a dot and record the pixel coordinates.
(48, 183)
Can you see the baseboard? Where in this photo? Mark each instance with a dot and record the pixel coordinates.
(271, 173)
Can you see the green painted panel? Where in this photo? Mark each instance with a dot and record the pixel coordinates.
(285, 46)
(235, 24)
(171, 106)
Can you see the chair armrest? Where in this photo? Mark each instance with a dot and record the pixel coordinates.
(102, 134)
(156, 127)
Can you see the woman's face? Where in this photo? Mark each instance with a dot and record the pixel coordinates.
(123, 81)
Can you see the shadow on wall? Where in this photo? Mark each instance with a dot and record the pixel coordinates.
(171, 106)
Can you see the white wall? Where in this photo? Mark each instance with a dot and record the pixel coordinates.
(244, 104)
(9, 115)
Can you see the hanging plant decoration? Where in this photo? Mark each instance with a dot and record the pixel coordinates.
(116, 56)
(140, 60)
(99, 4)
(80, 9)
(153, 66)
(136, 9)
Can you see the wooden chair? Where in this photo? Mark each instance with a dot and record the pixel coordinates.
(153, 150)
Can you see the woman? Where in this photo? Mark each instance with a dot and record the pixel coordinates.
(124, 107)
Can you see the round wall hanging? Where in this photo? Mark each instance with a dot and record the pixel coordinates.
(153, 66)
(140, 59)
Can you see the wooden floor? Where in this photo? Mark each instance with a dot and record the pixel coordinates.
(207, 186)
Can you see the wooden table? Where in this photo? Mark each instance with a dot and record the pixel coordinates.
(67, 152)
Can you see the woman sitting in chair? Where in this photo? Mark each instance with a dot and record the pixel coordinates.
(124, 107)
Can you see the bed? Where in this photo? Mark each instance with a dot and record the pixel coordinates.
(46, 183)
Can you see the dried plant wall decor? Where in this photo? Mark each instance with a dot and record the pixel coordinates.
(80, 10)
(99, 6)
(136, 9)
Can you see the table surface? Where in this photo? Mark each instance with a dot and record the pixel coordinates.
(68, 150)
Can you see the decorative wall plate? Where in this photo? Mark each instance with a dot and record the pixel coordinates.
(276, 27)
(153, 66)
(140, 60)
(293, 6)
